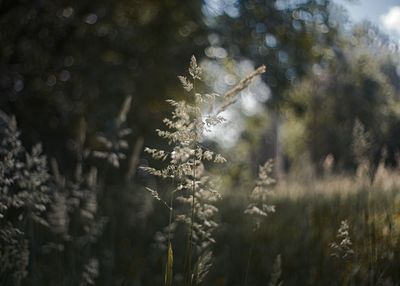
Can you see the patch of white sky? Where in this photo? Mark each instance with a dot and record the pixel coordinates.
(383, 13)
(391, 20)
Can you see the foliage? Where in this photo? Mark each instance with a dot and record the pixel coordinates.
(24, 196)
(259, 206)
(64, 61)
(310, 213)
(343, 247)
(193, 190)
(289, 36)
(64, 209)
(80, 215)
(353, 87)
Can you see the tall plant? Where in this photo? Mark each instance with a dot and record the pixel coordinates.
(192, 197)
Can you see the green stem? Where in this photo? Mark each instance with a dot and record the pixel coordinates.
(190, 238)
(171, 208)
(248, 263)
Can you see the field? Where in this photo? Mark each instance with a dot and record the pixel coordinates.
(199, 143)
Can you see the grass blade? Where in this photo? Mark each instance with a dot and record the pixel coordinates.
(169, 266)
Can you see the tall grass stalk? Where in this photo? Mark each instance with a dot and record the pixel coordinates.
(259, 206)
(193, 192)
(363, 149)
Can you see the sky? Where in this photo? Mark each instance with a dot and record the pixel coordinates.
(383, 13)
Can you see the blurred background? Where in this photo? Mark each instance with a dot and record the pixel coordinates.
(327, 111)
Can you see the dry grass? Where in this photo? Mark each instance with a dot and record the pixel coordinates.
(343, 185)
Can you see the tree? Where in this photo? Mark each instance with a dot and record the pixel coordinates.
(356, 84)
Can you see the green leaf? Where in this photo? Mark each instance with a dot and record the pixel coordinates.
(169, 266)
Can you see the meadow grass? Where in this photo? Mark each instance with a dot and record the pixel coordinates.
(308, 216)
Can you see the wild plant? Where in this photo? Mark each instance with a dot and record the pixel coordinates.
(115, 144)
(192, 197)
(258, 208)
(73, 215)
(67, 208)
(260, 196)
(276, 279)
(24, 196)
(363, 152)
(363, 148)
(342, 249)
